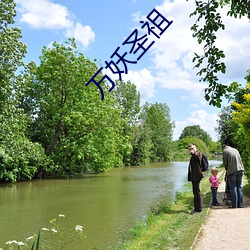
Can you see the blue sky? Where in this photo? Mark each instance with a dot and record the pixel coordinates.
(165, 73)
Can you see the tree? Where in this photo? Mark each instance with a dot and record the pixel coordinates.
(196, 131)
(12, 50)
(184, 142)
(156, 120)
(241, 116)
(227, 127)
(78, 131)
(20, 158)
(208, 23)
(127, 99)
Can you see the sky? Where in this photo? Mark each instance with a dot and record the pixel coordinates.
(165, 72)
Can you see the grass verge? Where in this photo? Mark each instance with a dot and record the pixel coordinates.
(170, 226)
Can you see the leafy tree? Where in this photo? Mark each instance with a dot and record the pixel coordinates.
(210, 63)
(241, 115)
(12, 50)
(196, 131)
(142, 145)
(157, 122)
(19, 157)
(183, 144)
(78, 131)
(227, 127)
(128, 100)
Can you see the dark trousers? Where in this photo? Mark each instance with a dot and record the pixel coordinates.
(197, 196)
(214, 196)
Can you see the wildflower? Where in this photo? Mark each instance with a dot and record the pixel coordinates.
(29, 238)
(78, 228)
(10, 242)
(54, 230)
(45, 229)
(61, 215)
(20, 243)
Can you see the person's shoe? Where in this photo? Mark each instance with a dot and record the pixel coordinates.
(194, 212)
(231, 206)
(217, 204)
(241, 206)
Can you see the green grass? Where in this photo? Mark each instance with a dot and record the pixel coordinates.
(170, 226)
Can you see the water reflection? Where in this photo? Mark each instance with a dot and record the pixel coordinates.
(105, 204)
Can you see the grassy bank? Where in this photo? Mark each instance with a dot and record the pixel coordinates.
(172, 226)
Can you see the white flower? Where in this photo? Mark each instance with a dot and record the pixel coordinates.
(20, 243)
(45, 229)
(54, 230)
(29, 238)
(78, 228)
(61, 215)
(10, 242)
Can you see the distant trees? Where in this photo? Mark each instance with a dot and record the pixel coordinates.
(183, 144)
(156, 120)
(51, 124)
(197, 132)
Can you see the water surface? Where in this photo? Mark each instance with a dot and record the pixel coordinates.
(104, 204)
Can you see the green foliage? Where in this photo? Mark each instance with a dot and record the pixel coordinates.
(12, 50)
(207, 24)
(156, 121)
(233, 123)
(227, 127)
(201, 146)
(20, 158)
(196, 131)
(128, 100)
(78, 131)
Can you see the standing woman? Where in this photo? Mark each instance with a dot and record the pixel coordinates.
(195, 175)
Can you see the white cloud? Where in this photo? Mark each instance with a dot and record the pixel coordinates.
(172, 66)
(172, 54)
(83, 34)
(198, 117)
(144, 81)
(44, 14)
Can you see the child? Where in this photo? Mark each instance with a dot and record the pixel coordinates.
(214, 185)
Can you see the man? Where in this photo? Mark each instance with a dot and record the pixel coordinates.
(235, 170)
(195, 175)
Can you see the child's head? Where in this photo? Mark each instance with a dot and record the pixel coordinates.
(214, 171)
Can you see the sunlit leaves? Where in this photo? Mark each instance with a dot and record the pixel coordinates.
(211, 63)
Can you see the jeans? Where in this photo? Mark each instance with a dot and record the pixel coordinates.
(235, 182)
(197, 196)
(214, 196)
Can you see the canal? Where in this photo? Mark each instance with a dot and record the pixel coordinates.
(105, 204)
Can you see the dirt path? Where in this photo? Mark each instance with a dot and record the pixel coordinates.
(225, 228)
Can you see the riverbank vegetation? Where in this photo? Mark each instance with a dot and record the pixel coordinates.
(52, 125)
(170, 226)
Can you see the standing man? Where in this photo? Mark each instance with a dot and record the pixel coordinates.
(235, 170)
(195, 175)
